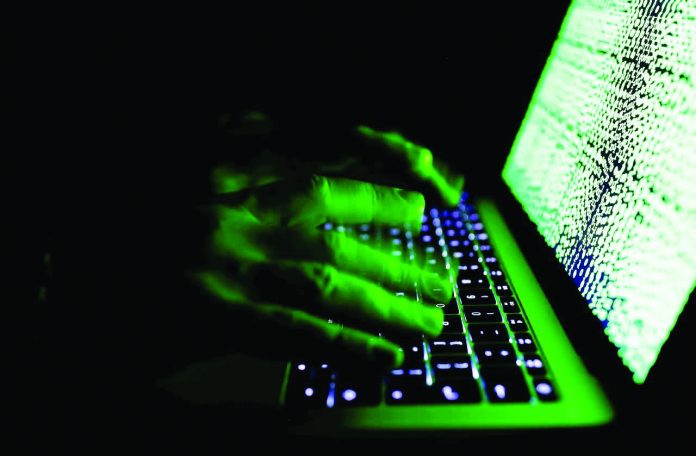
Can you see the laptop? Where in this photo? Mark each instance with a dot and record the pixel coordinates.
(567, 279)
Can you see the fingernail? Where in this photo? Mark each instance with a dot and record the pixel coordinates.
(413, 198)
(386, 353)
(424, 163)
(454, 191)
(431, 320)
(365, 130)
(416, 203)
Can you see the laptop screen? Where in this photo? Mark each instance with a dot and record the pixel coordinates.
(604, 164)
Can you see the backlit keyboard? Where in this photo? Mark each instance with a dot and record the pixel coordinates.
(487, 351)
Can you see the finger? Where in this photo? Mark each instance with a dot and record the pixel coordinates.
(314, 337)
(421, 161)
(351, 201)
(295, 334)
(238, 235)
(359, 258)
(316, 199)
(323, 290)
(242, 238)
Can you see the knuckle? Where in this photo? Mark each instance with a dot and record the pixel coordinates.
(336, 334)
(373, 199)
(322, 279)
(281, 317)
(343, 341)
(319, 188)
(340, 339)
(421, 160)
(333, 246)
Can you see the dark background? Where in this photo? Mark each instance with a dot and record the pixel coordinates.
(456, 78)
(111, 107)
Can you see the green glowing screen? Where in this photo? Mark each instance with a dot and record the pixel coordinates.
(605, 165)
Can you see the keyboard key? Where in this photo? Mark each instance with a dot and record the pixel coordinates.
(473, 284)
(459, 390)
(490, 260)
(452, 324)
(462, 237)
(503, 290)
(545, 390)
(505, 384)
(452, 366)
(477, 226)
(471, 261)
(485, 248)
(482, 314)
(496, 332)
(493, 354)
(308, 386)
(477, 298)
(408, 372)
(471, 274)
(450, 308)
(464, 255)
(471, 268)
(517, 323)
(497, 276)
(306, 395)
(407, 391)
(509, 305)
(355, 393)
(413, 354)
(447, 345)
(311, 372)
(525, 342)
(355, 386)
(535, 365)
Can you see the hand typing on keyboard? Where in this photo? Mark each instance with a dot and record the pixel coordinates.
(324, 294)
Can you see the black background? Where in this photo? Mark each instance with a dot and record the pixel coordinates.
(456, 78)
(107, 104)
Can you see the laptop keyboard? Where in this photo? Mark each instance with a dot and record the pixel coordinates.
(486, 351)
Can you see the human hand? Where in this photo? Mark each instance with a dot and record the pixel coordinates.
(361, 153)
(272, 265)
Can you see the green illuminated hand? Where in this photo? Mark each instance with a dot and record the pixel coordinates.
(363, 153)
(418, 163)
(272, 264)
